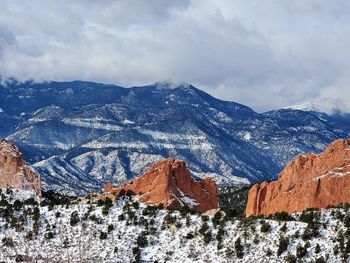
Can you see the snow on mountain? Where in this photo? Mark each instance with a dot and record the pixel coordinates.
(328, 106)
(168, 85)
(79, 135)
(85, 231)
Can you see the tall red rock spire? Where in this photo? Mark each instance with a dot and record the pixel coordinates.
(169, 182)
(312, 181)
(14, 173)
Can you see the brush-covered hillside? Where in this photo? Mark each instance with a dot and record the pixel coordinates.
(63, 229)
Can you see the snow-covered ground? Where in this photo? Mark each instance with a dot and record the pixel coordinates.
(131, 232)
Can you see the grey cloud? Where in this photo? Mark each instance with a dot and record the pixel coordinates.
(135, 12)
(266, 54)
(6, 38)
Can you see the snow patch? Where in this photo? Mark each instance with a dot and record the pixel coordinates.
(93, 123)
(336, 172)
(171, 97)
(126, 121)
(222, 179)
(187, 200)
(127, 145)
(247, 136)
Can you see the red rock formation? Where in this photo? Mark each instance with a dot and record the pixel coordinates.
(14, 173)
(312, 181)
(169, 182)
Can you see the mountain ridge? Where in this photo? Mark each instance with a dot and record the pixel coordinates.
(329, 106)
(93, 133)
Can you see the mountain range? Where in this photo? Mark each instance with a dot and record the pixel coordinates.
(79, 135)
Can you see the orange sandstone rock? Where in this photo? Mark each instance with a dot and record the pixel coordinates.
(169, 182)
(312, 181)
(14, 173)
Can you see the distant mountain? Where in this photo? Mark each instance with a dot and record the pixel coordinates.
(328, 106)
(79, 135)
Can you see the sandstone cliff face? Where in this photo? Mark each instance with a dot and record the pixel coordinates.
(308, 181)
(14, 173)
(169, 182)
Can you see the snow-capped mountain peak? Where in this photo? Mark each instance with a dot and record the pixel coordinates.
(330, 106)
(168, 85)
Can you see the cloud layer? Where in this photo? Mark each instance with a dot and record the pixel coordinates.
(265, 54)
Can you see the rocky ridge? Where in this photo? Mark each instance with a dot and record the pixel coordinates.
(312, 181)
(169, 183)
(14, 173)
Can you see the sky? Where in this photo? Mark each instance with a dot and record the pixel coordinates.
(265, 54)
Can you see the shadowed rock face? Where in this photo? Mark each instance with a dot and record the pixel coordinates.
(14, 173)
(308, 181)
(169, 182)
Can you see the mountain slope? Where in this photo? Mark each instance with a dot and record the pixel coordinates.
(79, 135)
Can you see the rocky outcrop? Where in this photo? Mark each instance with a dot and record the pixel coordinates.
(312, 181)
(169, 182)
(14, 173)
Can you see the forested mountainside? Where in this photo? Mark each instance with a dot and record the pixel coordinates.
(79, 135)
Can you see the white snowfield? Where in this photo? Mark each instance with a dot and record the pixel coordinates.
(129, 234)
(96, 123)
(329, 106)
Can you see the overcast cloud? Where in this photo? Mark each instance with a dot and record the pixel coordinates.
(265, 54)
